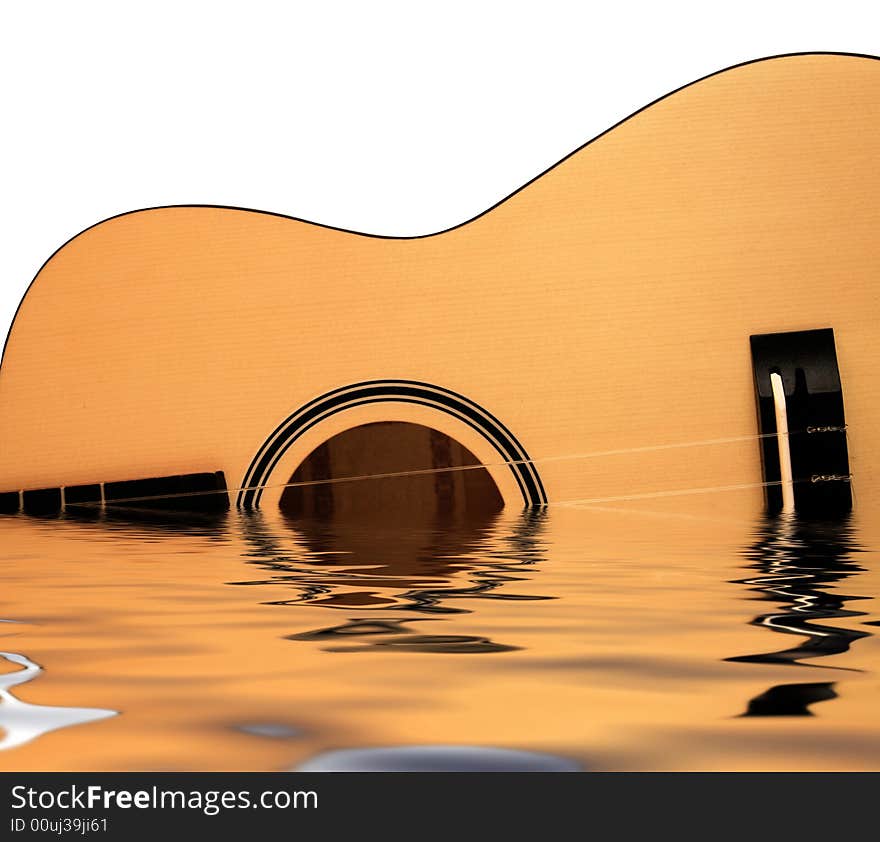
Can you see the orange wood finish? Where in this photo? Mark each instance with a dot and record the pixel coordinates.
(607, 306)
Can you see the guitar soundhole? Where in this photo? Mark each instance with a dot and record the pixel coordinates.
(356, 460)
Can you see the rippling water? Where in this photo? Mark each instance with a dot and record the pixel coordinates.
(566, 639)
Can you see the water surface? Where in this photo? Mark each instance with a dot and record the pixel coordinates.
(577, 637)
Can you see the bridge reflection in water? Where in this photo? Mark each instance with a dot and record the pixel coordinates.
(798, 565)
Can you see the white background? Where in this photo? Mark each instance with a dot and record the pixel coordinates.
(390, 118)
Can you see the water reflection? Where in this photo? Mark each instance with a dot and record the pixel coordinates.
(360, 565)
(437, 758)
(798, 564)
(790, 699)
(622, 668)
(21, 721)
(402, 638)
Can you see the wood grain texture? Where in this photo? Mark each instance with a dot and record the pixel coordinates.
(606, 306)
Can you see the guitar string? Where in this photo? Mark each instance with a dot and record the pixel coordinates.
(653, 495)
(512, 463)
(574, 503)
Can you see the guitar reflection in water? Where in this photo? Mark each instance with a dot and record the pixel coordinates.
(798, 563)
(394, 543)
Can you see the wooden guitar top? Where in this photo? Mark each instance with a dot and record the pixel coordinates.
(577, 328)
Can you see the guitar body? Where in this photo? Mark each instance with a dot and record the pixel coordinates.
(561, 339)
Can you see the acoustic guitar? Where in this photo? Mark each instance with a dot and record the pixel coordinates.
(683, 311)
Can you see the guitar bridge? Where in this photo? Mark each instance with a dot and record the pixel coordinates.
(806, 362)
